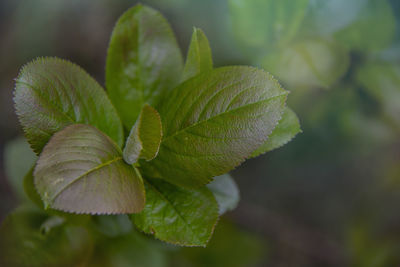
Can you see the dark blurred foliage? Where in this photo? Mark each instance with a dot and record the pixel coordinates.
(328, 198)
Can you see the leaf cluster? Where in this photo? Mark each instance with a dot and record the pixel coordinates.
(188, 124)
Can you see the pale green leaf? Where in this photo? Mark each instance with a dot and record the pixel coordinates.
(225, 192)
(176, 215)
(285, 131)
(266, 23)
(18, 159)
(313, 63)
(143, 62)
(81, 170)
(213, 122)
(199, 57)
(52, 93)
(145, 137)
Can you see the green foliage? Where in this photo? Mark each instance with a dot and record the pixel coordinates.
(204, 127)
(145, 137)
(143, 63)
(285, 131)
(213, 122)
(199, 57)
(51, 93)
(177, 215)
(313, 63)
(81, 170)
(280, 21)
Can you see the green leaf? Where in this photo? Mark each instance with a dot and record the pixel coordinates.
(285, 131)
(81, 170)
(145, 137)
(176, 215)
(225, 192)
(52, 93)
(313, 63)
(27, 240)
(266, 23)
(213, 122)
(199, 57)
(374, 29)
(18, 159)
(143, 62)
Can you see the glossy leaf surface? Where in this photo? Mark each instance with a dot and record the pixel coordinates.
(143, 62)
(82, 171)
(213, 122)
(285, 131)
(52, 93)
(176, 215)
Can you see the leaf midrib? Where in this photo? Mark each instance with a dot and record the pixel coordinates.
(102, 165)
(220, 114)
(173, 207)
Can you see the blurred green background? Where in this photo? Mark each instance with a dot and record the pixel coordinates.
(330, 197)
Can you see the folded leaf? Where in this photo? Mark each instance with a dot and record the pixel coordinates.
(213, 122)
(199, 57)
(81, 170)
(52, 93)
(176, 215)
(145, 137)
(143, 62)
(285, 131)
(225, 192)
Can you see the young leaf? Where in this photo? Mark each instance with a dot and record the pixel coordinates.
(52, 93)
(145, 137)
(213, 122)
(81, 170)
(143, 62)
(285, 131)
(225, 192)
(199, 57)
(176, 215)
